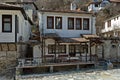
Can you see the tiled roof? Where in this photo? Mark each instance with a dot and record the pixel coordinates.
(90, 36)
(73, 40)
(114, 0)
(93, 3)
(4, 6)
(29, 2)
(51, 35)
(67, 11)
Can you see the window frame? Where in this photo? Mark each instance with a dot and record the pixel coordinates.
(88, 24)
(72, 24)
(52, 51)
(59, 49)
(80, 27)
(52, 22)
(109, 23)
(96, 5)
(72, 50)
(56, 22)
(3, 22)
(17, 23)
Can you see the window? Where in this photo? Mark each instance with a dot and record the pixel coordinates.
(51, 49)
(58, 22)
(85, 24)
(117, 18)
(72, 50)
(58, 49)
(6, 23)
(96, 5)
(77, 49)
(62, 48)
(70, 23)
(83, 49)
(109, 23)
(50, 22)
(78, 23)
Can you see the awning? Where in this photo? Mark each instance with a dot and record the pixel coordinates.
(73, 40)
(90, 36)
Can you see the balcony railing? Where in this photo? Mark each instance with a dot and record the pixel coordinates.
(32, 62)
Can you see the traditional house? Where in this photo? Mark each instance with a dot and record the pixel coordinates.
(12, 17)
(111, 33)
(62, 33)
(29, 7)
(15, 27)
(115, 2)
(62, 41)
(96, 5)
(111, 27)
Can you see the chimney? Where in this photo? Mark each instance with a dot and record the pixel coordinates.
(73, 6)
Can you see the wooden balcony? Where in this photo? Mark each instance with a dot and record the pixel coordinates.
(50, 60)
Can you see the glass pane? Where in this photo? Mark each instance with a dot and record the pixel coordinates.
(50, 22)
(86, 24)
(7, 19)
(58, 23)
(71, 23)
(78, 26)
(7, 27)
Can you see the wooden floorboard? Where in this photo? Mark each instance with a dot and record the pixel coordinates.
(57, 64)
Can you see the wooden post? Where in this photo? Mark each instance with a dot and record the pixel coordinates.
(90, 51)
(103, 52)
(42, 49)
(80, 53)
(55, 51)
(78, 67)
(86, 51)
(51, 69)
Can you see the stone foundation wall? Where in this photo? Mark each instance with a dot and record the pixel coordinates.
(110, 49)
(9, 56)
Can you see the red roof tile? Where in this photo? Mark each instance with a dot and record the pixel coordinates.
(115, 1)
(67, 11)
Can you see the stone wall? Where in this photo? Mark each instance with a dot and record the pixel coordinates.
(110, 49)
(9, 54)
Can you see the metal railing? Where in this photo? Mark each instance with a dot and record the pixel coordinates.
(24, 62)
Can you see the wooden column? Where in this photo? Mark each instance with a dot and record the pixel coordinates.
(55, 50)
(80, 52)
(42, 50)
(67, 49)
(51, 69)
(78, 67)
(90, 51)
(103, 52)
(86, 51)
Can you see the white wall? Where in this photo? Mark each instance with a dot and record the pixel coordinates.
(23, 28)
(92, 7)
(64, 32)
(115, 24)
(37, 51)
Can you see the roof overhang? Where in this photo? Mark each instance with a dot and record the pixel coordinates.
(67, 11)
(13, 7)
(73, 40)
(90, 36)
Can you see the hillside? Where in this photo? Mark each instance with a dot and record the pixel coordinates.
(60, 4)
